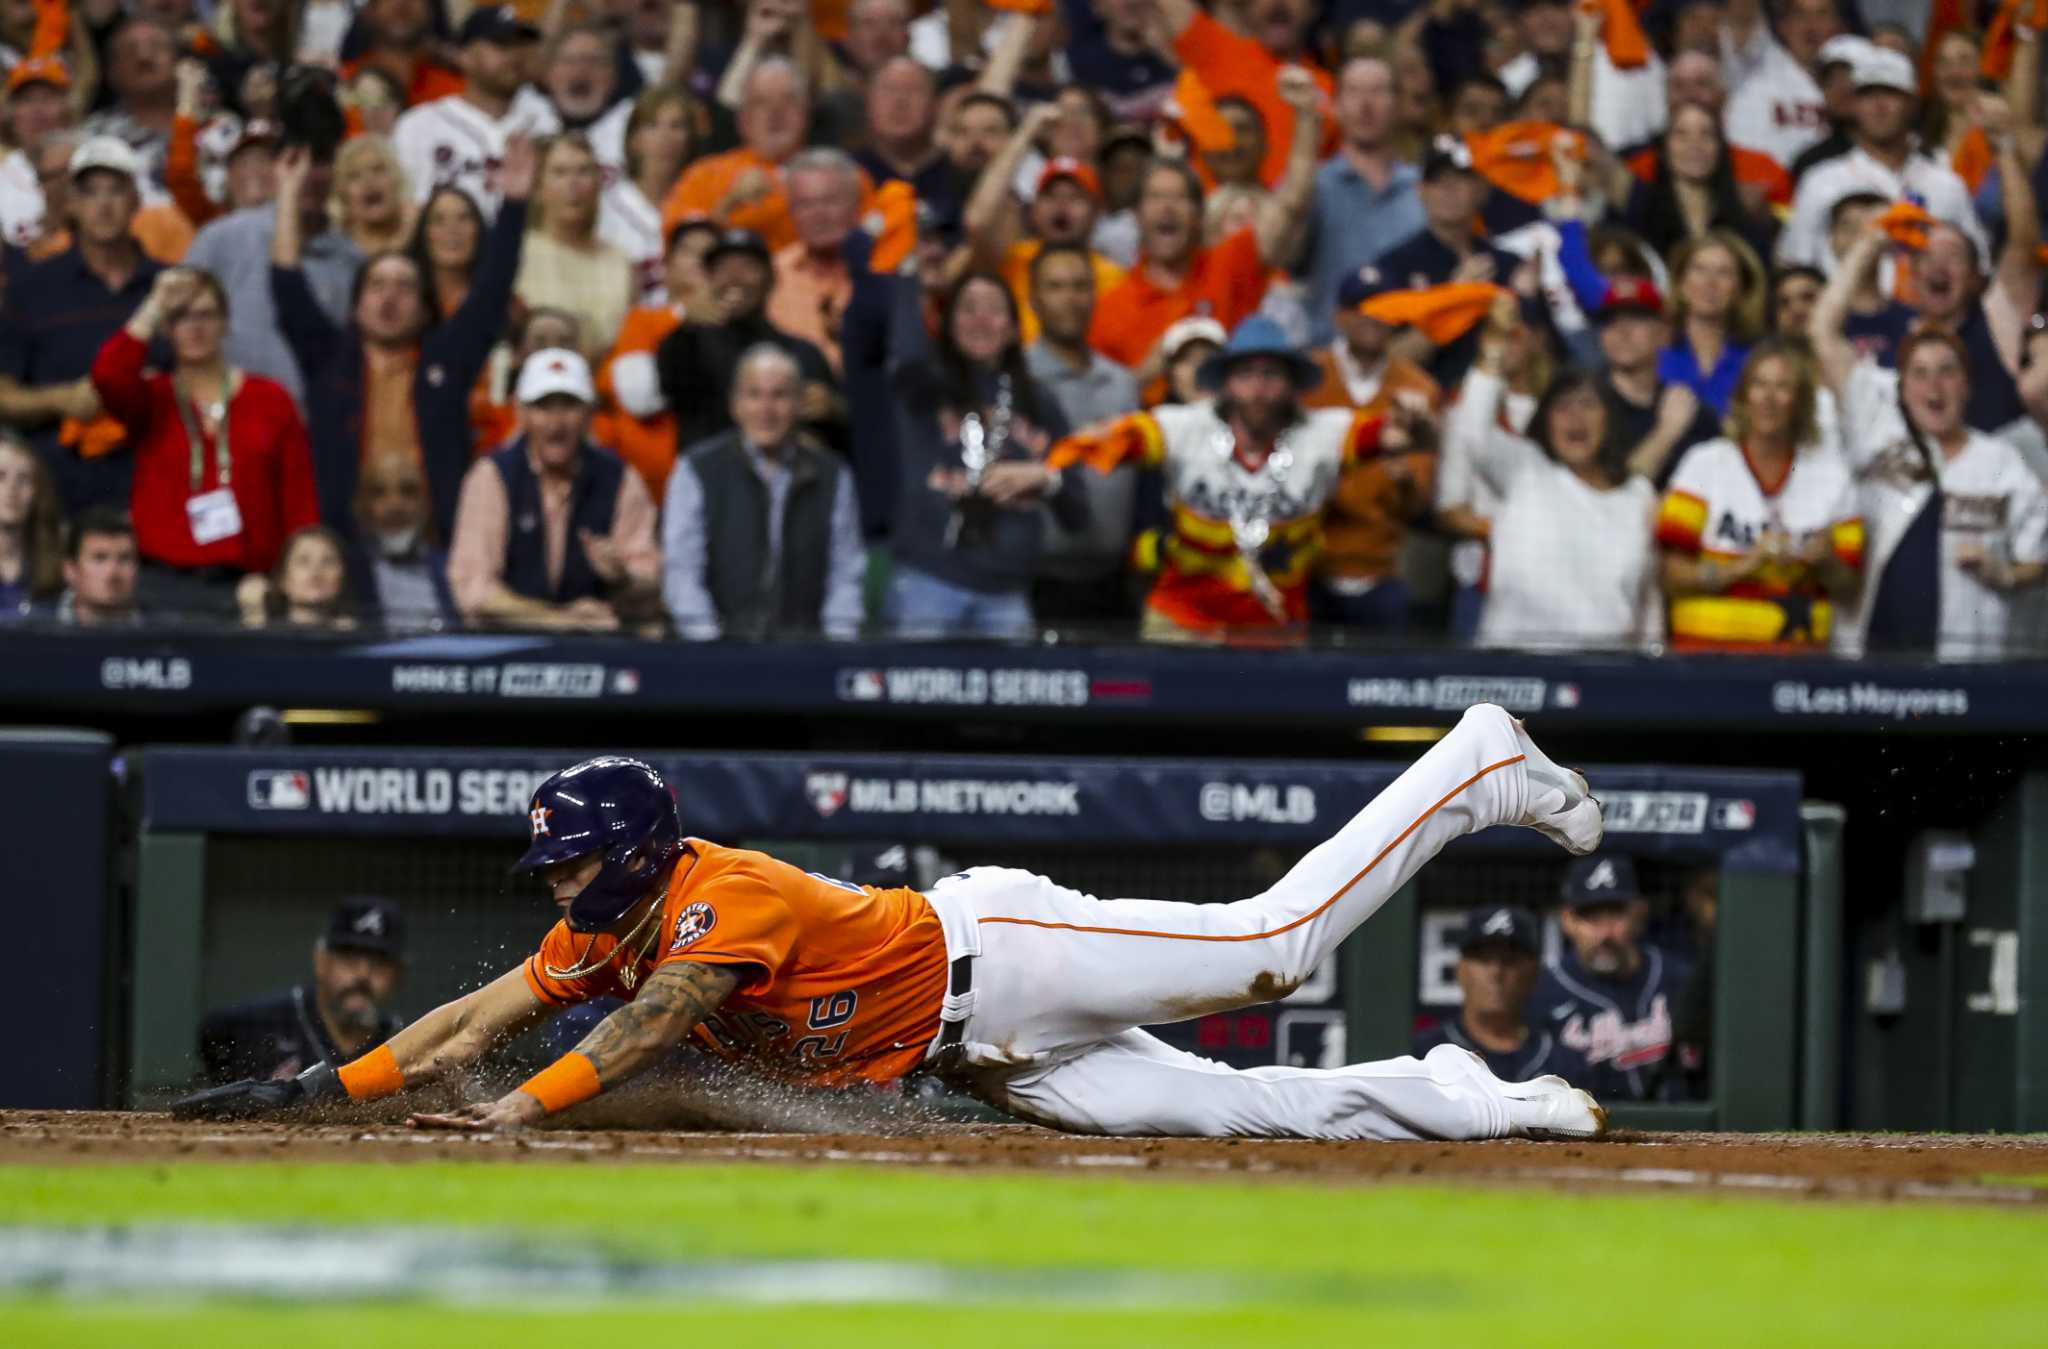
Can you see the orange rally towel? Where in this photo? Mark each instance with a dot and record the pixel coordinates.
(1193, 108)
(1621, 32)
(1443, 314)
(892, 219)
(1907, 225)
(1515, 157)
(53, 25)
(101, 435)
(1999, 42)
(1972, 159)
(1021, 6)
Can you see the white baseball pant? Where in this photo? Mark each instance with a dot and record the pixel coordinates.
(1062, 979)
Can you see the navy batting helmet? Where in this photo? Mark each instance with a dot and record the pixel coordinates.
(620, 806)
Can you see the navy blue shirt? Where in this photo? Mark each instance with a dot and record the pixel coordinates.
(1131, 82)
(58, 316)
(1424, 260)
(1621, 1026)
(1878, 335)
(1541, 1053)
(938, 184)
(1994, 395)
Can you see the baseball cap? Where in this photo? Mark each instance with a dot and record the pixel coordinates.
(695, 220)
(38, 70)
(1198, 329)
(1508, 924)
(1844, 49)
(367, 923)
(1067, 167)
(1125, 133)
(497, 23)
(1362, 285)
(739, 241)
(106, 152)
(1603, 878)
(1883, 68)
(260, 131)
(554, 371)
(1447, 153)
(1631, 295)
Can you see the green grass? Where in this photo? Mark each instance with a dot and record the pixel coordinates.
(1406, 1265)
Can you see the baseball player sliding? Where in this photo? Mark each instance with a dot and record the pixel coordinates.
(1027, 994)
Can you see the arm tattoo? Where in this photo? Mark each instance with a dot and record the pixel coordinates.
(667, 1009)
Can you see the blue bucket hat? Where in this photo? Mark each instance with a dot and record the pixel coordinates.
(1259, 336)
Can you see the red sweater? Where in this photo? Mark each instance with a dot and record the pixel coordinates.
(271, 471)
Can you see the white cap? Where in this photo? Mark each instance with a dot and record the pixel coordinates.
(1883, 68)
(1197, 329)
(107, 152)
(1844, 49)
(555, 370)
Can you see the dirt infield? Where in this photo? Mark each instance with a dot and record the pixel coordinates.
(1883, 1167)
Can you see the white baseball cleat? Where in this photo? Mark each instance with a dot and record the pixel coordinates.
(1562, 807)
(1550, 1107)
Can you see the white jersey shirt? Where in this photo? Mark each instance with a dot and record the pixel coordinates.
(1573, 565)
(1991, 502)
(1774, 105)
(1716, 506)
(1481, 457)
(1805, 240)
(632, 224)
(452, 142)
(21, 201)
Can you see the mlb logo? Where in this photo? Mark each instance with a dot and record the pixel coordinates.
(1566, 695)
(626, 682)
(827, 792)
(279, 789)
(860, 686)
(1735, 815)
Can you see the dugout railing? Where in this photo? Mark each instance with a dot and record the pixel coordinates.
(240, 852)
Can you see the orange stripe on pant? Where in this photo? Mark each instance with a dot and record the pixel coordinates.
(1308, 917)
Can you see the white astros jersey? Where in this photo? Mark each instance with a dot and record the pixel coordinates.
(1717, 507)
(1225, 514)
(1776, 109)
(450, 141)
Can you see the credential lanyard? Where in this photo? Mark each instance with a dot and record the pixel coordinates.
(223, 453)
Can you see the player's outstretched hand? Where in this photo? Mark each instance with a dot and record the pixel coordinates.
(251, 1098)
(504, 1115)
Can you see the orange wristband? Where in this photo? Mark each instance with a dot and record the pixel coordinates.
(569, 1079)
(373, 1075)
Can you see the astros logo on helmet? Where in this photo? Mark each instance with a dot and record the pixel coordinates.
(539, 816)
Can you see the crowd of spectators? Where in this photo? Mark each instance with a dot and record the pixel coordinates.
(1688, 324)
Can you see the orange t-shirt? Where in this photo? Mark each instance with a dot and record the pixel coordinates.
(840, 981)
(1229, 63)
(699, 191)
(1017, 272)
(1226, 281)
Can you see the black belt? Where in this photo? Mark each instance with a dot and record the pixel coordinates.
(958, 984)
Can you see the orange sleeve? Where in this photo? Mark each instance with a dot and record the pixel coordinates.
(181, 172)
(698, 190)
(1245, 275)
(561, 949)
(1681, 521)
(736, 919)
(1972, 159)
(1622, 34)
(53, 25)
(1134, 436)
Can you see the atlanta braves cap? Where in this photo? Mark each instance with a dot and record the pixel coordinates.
(367, 923)
(1507, 924)
(1603, 878)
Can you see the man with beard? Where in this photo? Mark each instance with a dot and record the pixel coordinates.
(1609, 995)
(1497, 967)
(697, 361)
(1886, 161)
(357, 965)
(580, 78)
(1249, 476)
(1176, 276)
(1062, 211)
(389, 381)
(459, 141)
(398, 570)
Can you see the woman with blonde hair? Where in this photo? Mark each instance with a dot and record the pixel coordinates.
(1761, 533)
(372, 202)
(1718, 292)
(31, 532)
(566, 264)
(662, 137)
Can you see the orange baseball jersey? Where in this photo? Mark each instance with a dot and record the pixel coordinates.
(1225, 281)
(841, 981)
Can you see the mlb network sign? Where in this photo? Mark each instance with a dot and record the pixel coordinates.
(830, 793)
